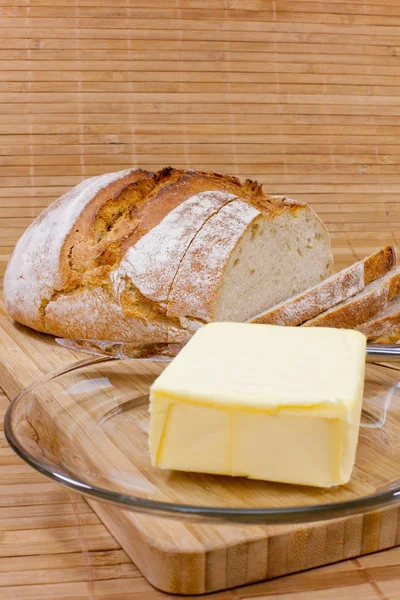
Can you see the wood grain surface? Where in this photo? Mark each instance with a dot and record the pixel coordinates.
(175, 556)
(302, 95)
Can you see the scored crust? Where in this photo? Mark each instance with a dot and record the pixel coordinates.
(195, 288)
(332, 291)
(152, 263)
(38, 266)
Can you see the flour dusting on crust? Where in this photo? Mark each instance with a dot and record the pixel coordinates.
(33, 270)
(151, 264)
(197, 278)
(91, 314)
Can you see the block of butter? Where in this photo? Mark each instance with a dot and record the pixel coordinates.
(261, 401)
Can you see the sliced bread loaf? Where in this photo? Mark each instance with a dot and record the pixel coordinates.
(363, 306)
(385, 326)
(148, 257)
(330, 292)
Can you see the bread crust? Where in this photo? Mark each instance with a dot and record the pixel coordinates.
(383, 325)
(38, 266)
(362, 307)
(197, 280)
(93, 314)
(391, 337)
(379, 263)
(330, 292)
(152, 263)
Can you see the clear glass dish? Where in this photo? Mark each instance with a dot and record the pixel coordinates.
(86, 427)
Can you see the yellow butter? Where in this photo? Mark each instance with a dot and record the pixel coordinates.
(261, 401)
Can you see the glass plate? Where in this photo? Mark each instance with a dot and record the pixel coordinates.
(86, 427)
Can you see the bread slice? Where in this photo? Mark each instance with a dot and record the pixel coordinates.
(363, 306)
(330, 292)
(385, 326)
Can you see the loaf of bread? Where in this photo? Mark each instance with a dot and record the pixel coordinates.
(147, 258)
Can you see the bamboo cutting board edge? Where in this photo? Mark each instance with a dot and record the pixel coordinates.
(195, 559)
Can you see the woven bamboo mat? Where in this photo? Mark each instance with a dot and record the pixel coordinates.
(303, 96)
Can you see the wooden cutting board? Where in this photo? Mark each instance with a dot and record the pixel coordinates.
(191, 558)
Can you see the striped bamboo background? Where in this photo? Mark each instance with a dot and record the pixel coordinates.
(303, 96)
